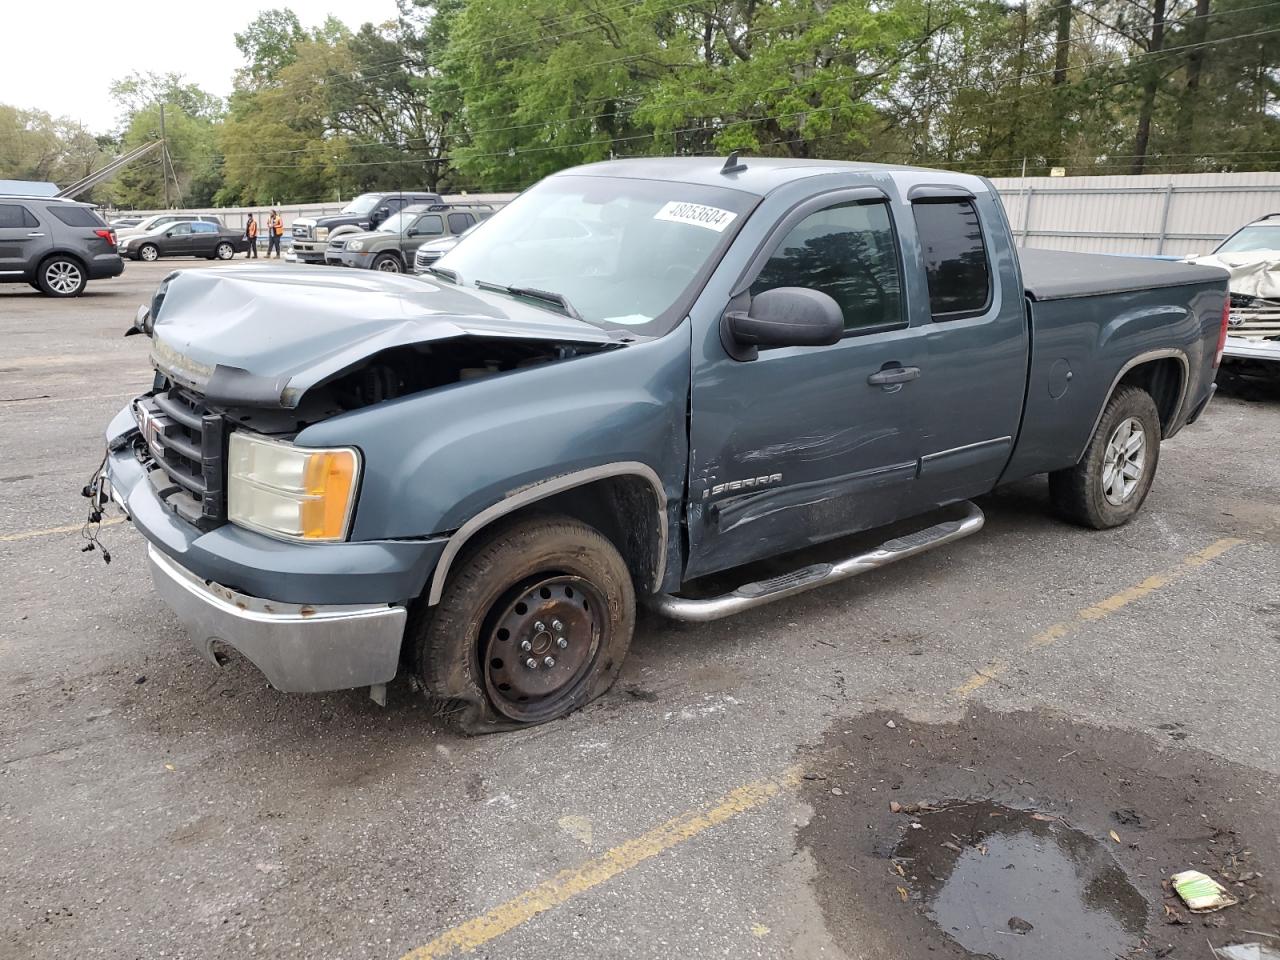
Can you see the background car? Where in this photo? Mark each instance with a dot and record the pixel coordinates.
(122, 223)
(159, 219)
(366, 212)
(391, 248)
(1251, 256)
(431, 251)
(57, 246)
(185, 239)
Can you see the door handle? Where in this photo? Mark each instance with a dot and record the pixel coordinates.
(35, 234)
(890, 375)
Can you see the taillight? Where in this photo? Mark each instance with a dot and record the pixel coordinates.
(1222, 333)
(107, 235)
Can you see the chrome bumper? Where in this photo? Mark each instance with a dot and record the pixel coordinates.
(1248, 348)
(300, 648)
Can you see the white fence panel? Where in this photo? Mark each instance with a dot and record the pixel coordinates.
(1156, 214)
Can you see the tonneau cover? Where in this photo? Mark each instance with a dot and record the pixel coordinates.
(1059, 275)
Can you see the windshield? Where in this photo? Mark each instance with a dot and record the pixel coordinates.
(362, 204)
(1255, 237)
(621, 252)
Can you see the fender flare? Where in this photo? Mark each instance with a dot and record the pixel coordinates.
(534, 492)
(1140, 359)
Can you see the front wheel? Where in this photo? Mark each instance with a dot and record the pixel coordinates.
(1107, 487)
(225, 251)
(532, 625)
(387, 263)
(149, 252)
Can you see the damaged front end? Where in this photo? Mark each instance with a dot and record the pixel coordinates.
(240, 352)
(1253, 323)
(249, 532)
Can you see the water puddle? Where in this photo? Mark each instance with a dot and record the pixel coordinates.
(1014, 885)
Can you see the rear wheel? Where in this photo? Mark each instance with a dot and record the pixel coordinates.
(388, 263)
(1107, 487)
(62, 277)
(532, 625)
(224, 251)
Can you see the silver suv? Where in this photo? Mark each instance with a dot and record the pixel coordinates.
(55, 245)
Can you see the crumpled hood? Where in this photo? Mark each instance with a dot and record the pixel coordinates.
(1253, 274)
(273, 332)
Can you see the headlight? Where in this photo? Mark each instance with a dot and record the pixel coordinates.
(322, 233)
(355, 245)
(302, 493)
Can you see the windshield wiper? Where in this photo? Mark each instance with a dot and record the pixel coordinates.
(451, 275)
(533, 293)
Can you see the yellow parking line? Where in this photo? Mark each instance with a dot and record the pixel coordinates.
(569, 883)
(73, 528)
(1100, 610)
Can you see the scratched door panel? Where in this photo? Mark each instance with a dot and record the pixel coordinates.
(795, 448)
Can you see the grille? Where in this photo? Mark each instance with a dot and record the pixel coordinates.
(301, 231)
(338, 244)
(1254, 317)
(425, 258)
(186, 446)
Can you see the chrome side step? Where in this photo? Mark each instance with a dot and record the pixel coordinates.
(759, 593)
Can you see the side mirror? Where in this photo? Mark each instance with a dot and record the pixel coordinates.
(170, 233)
(782, 317)
(413, 232)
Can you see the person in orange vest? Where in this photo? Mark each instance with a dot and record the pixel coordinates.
(275, 230)
(251, 234)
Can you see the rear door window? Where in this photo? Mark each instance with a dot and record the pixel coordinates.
(459, 222)
(76, 216)
(15, 215)
(955, 258)
(203, 227)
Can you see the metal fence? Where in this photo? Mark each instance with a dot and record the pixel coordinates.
(1155, 214)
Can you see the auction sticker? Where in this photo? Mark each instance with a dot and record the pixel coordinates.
(713, 218)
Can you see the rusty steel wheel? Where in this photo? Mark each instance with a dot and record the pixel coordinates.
(541, 645)
(534, 623)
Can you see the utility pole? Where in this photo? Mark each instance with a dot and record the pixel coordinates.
(164, 168)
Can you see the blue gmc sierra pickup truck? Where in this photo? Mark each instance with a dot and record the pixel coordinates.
(706, 369)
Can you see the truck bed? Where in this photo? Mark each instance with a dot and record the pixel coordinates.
(1059, 275)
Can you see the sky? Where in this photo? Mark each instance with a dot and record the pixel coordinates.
(64, 65)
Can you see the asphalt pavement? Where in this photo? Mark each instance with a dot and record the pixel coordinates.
(154, 806)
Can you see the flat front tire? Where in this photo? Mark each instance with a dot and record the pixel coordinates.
(388, 263)
(533, 623)
(1107, 487)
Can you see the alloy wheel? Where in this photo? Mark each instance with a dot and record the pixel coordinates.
(1123, 461)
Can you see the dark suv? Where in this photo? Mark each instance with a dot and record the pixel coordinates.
(55, 245)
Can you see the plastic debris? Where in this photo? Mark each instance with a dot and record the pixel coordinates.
(1247, 951)
(1201, 893)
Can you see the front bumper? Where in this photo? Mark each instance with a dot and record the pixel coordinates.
(300, 648)
(310, 251)
(1248, 348)
(346, 258)
(311, 616)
